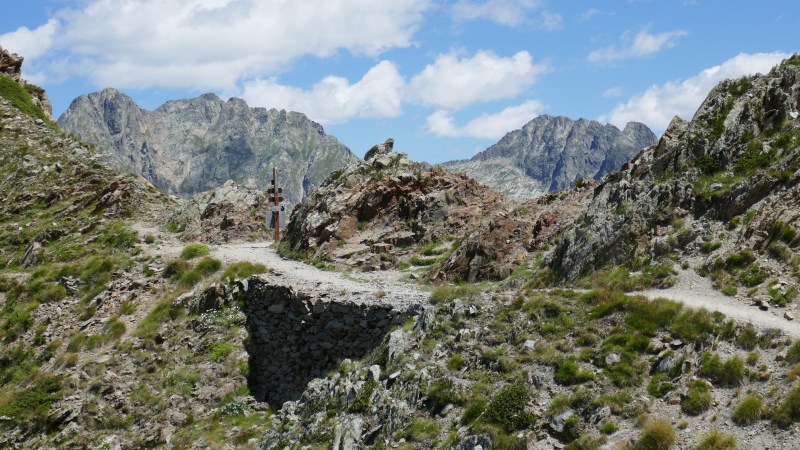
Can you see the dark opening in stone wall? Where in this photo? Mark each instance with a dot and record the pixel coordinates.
(298, 336)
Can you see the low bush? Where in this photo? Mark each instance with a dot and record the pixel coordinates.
(698, 399)
(474, 409)
(657, 435)
(243, 269)
(207, 266)
(659, 385)
(191, 251)
(456, 362)
(715, 440)
(508, 408)
(441, 393)
(747, 338)
(569, 372)
(789, 411)
(749, 410)
(175, 268)
(220, 350)
(793, 354)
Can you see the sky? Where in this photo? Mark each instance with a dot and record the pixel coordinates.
(445, 79)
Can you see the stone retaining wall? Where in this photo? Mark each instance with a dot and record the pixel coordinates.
(298, 336)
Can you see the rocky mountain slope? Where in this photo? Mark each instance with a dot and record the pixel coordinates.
(189, 146)
(550, 153)
(719, 192)
(371, 213)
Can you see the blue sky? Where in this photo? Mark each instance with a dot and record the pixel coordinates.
(445, 79)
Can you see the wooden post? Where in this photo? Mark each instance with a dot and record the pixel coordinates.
(277, 213)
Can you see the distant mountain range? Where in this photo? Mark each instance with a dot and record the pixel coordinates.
(550, 153)
(190, 146)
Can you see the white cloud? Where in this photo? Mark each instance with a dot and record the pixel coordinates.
(30, 43)
(589, 13)
(507, 12)
(211, 44)
(453, 83)
(615, 91)
(657, 105)
(487, 126)
(334, 100)
(643, 44)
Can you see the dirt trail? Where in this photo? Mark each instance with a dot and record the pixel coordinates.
(697, 292)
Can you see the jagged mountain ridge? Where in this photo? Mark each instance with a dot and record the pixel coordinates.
(193, 145)
(550, 152)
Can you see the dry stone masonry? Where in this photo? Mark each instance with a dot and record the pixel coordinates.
(296, 336)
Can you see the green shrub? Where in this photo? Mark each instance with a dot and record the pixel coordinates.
(220, 350)
(749, 410)
(207, 266)
(659, 385)
(507, 408)
(747, 338)
(444, 292)
(789, 411)
(729, 374)
(420, 261)
(194, 250)
(609, 428)
(243, 269)
(175, 268)
(783, 231)
(698, 399)
(456, 362)
(189, 279)
(569, 372)
(793, 354)
(657, 435)
(753, 159)
(34, 402)
(708, 247)
(715, 440)
(114, 329)
(694, 325)
(709, 165)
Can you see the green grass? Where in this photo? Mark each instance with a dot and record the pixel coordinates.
(715, 440)
(191, 251)
(657, 435)
(508, 408)
(33, 402)
(749, 410)
(698, 399)
(728, 374)
(788, 411)
(659, 385)
(446, 292)
(570, 373)
(19, 97)
(753, 159)
(242, 270)
(207, 266)
(220, 350)
(422, 429)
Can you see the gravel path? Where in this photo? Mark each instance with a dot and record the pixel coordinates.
(697, 292)
(385, 285)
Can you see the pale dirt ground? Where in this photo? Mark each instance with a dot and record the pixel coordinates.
(695, 291)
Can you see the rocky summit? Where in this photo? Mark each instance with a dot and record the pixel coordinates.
(551, 153)
(374, 212)
(189, 146)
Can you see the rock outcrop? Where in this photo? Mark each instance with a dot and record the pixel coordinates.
(726, 180)
(230, 213)
(190, 146)
(510, 241)
(550, 153)
(11, 65)
(369, 209)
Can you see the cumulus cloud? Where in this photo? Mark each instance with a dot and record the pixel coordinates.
(487, 126)
(30, 43)
(642, 44)
(334, 100)
(508, 12)
(210, 44)
(452, 82)
(657, 105)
